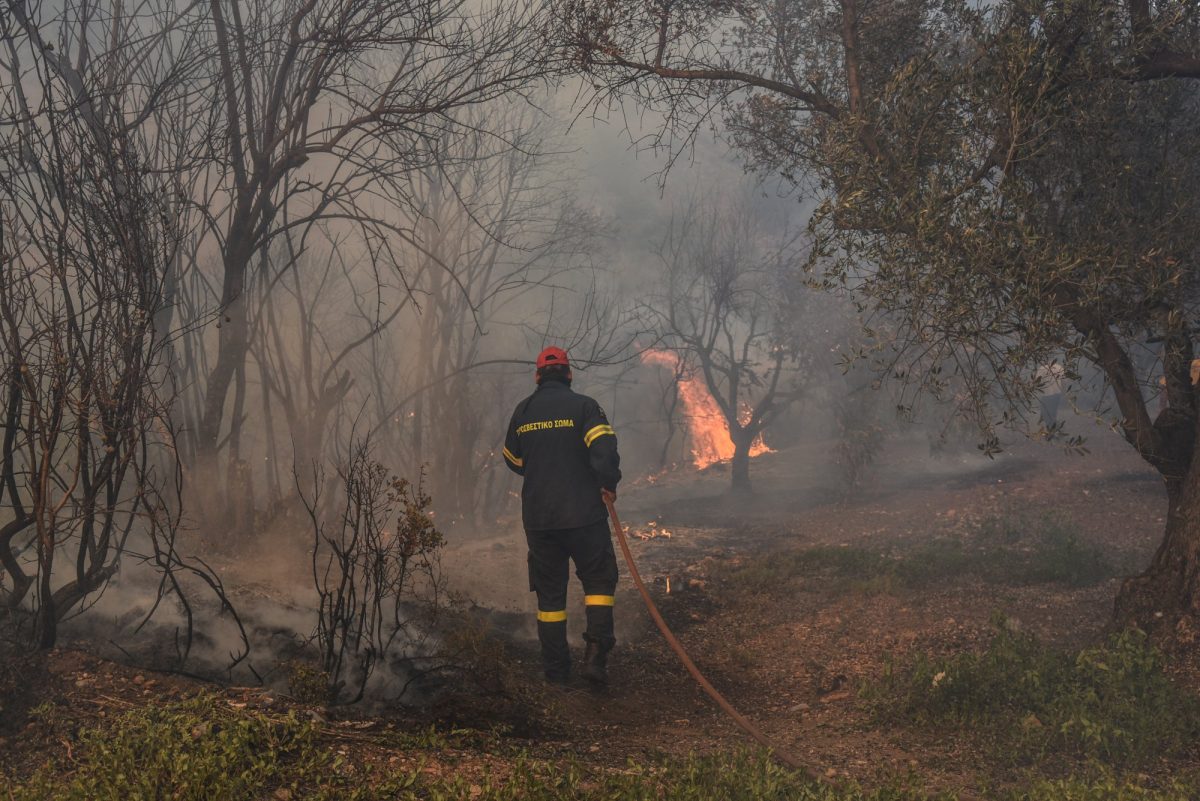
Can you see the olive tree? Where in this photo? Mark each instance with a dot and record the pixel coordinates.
(1008, 185)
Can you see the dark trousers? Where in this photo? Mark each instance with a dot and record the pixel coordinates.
(550, 553)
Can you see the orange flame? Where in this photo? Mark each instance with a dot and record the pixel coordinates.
(707, 430)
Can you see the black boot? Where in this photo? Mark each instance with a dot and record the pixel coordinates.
(595, 663)
(556, 657)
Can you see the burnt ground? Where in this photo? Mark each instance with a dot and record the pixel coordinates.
(791, 652)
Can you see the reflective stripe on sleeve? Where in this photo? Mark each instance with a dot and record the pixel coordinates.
(598, 600)
(552, 617)
(597, 431)
(509, 456)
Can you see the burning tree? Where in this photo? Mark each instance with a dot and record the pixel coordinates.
(724, 317)
(1011, 184)
(706, 427)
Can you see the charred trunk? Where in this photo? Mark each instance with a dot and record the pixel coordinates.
(232, 347)
(740, 465)
(233, 344)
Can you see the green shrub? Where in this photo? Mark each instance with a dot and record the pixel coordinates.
(1050, 551)
(203, 749)
(1112, 703)
(199, 750)
(1006, 551)
(308, 683)
(739, 776)
(1105, 789)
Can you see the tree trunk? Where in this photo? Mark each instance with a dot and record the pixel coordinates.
(1166, 597)
(741, 461)
(233, 344)
(232, 347)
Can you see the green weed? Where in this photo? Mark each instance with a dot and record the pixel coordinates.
(1003, 552)
(202, 749)
(1104, 789)
(1112, 703)
(739, 776)
(199, 750)
(308, 683)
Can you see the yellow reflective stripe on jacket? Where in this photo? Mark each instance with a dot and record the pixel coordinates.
(597, 431)
(552, 617)
(509, 456)
(598, 600)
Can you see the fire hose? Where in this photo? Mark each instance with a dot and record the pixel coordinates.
(780, 754)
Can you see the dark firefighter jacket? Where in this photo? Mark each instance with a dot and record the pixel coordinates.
(563, 445)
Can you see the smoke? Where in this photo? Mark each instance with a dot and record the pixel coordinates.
(540, 232)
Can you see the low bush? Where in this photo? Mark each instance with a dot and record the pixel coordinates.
(1003, 552)
(1103, 789)
(307, 683)
(1049, 548)
(1111, 703)
(198, 750)
(204, 749)
(737, 776)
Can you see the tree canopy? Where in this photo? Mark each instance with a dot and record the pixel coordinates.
(1005, 186)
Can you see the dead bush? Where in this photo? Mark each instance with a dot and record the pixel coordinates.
(375, 569)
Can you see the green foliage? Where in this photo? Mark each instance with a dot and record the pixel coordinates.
(307, 683)
(1105, 789)
(1051, 551)
(203, 749)
(739, 776)
(199, 750)
(1112, 703)
(1006, 552)
(999, 188)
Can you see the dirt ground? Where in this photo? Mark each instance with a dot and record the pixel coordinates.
(791, 658)
(793, 661)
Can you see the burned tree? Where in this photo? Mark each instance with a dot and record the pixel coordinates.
(322, 107)
(323, 303)
(88, 232)
(726, 299)
(1010, 183)
(501, 233)
(321, 110)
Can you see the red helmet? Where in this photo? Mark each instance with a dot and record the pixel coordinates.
(552, 356)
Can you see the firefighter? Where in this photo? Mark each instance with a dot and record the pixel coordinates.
(563, 445)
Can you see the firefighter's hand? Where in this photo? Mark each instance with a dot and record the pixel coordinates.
(609, 496)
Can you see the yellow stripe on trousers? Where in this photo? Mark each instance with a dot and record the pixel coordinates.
(552, 617)
(599, 600)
